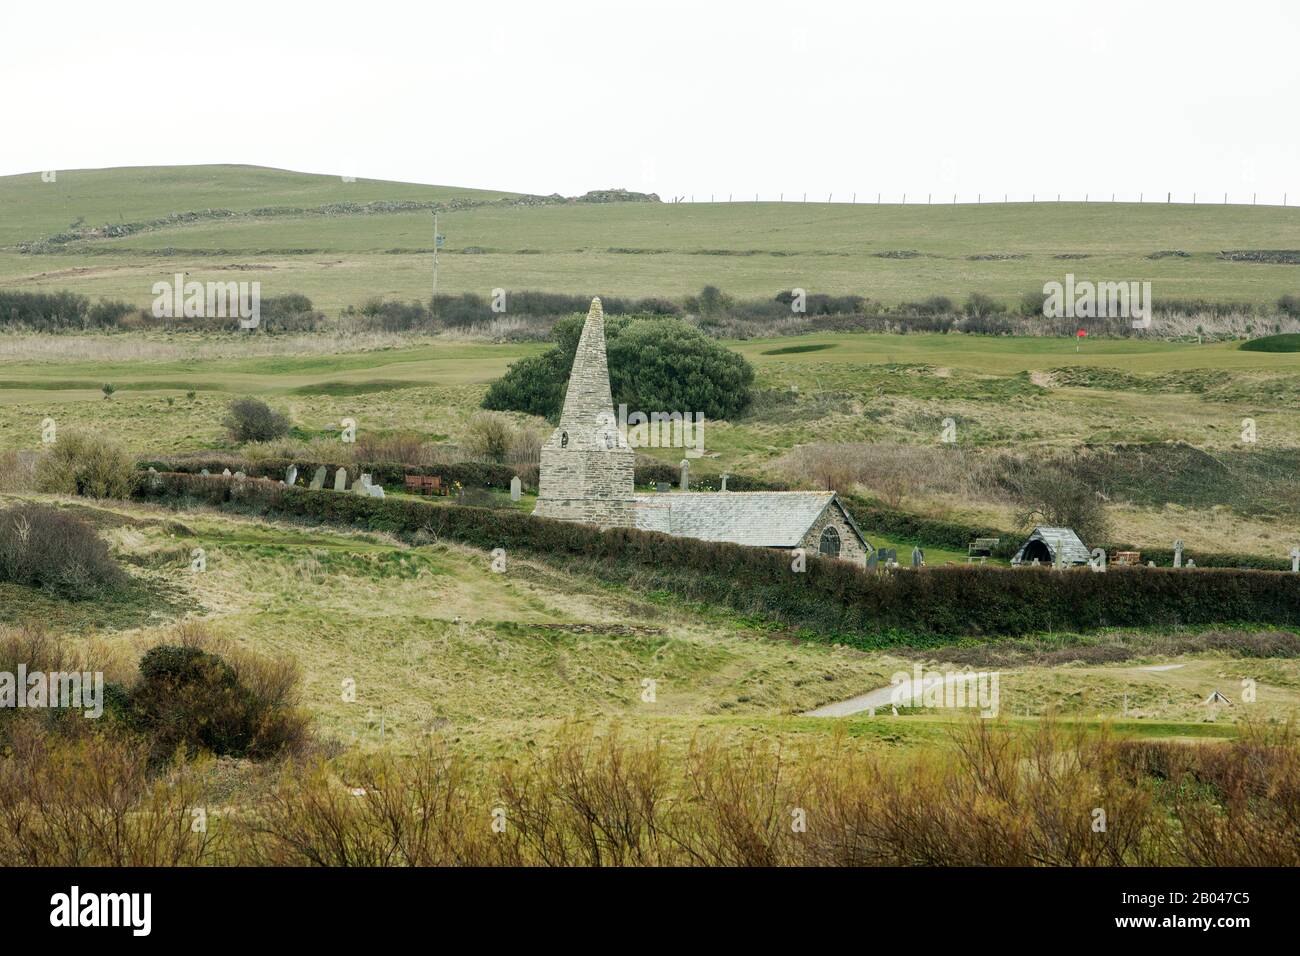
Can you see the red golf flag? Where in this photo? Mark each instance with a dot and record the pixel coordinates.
(1083, 333)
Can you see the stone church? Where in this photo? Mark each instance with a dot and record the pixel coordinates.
(587, 475)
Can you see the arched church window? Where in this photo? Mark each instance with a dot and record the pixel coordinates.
(564, 439)
(830, 544)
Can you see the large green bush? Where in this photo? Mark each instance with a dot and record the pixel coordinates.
(655, 365)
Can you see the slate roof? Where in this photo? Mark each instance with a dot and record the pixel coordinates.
(1074, 550)
(762, 519)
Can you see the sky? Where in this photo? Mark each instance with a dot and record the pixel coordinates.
(702, 99)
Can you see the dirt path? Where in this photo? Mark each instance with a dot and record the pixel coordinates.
(881, 697)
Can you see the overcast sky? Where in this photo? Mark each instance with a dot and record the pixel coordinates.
(691, 98)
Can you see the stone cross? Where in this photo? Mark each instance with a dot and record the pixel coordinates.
(686, 475)
(516, 486)
(724, 481)
(318, 479)
(1178, 553)
(1295, 560)
(341, 480)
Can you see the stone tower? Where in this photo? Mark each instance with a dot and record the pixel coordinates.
(587, 466)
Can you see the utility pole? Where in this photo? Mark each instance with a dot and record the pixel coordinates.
(436, 243)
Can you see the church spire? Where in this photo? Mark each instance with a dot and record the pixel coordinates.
(588, 404)
(587, 468)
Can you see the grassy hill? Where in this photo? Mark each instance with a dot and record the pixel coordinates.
(891, 253)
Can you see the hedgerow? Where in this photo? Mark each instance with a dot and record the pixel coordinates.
(873, 517)
(830, 599)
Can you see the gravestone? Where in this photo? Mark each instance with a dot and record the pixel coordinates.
(889, 556)
(873, 559)
(686, 475)
(225, 473)
(341, 480)
(204, 473)
(663, 486)
(516, 487)
(362, 485)
(918, 557)
(318, 479)
(375, 491)
(724, 481)
(1178, 553)
(240, 476)
(1098, 562)
(1295, 560)
(291, 476)
(1191, 562)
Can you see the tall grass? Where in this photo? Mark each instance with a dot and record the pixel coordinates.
(995, 795)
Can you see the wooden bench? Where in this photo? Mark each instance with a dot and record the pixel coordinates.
(981, 548)
(425, 485)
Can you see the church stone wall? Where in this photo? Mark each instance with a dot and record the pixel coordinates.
(851, 548)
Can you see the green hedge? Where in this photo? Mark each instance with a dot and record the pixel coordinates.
(871, 516)
(955, 535)
(831, 599)
(392, 473)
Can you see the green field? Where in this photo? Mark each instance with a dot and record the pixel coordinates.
(635, 249)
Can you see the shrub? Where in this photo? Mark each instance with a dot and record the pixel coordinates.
(1050, 495)
(655, 365)
(83, 464)
(489, 437)
(251, 419)
(525, 446)
(233, 703)
(934, 305)
(980, 306)
(43, 547)
(409, 448)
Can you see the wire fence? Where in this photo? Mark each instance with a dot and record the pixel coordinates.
(958, 199)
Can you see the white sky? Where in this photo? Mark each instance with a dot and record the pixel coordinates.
(693, 98)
